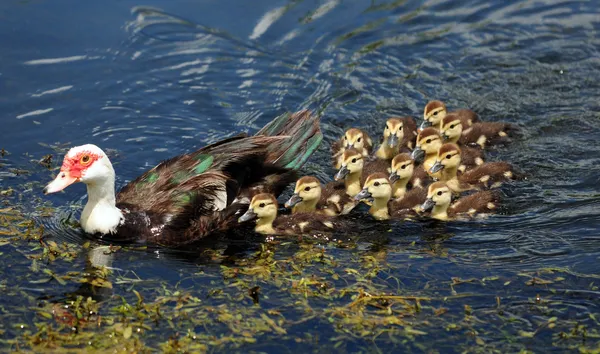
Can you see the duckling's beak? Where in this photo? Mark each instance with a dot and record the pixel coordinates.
(445, 136)
(294, 199)
(437, 166)
(62, 181)
(248, 215)
(394, 177)
(428, 205)
(424, 125)
(342, 173)
(392, 140)
(363, 194)
(418, 155)
(349, 146)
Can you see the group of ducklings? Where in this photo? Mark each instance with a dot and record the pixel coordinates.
(416, 171)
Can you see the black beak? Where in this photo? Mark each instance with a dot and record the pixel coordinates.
(425, 124)
(392, 140)
(294, 199)
(428, 205)
(445, 136)
(418, 155)
(46, 190)
(342, 173)
(363, 194)
(248, 215)
(393, 177)
(437, 166)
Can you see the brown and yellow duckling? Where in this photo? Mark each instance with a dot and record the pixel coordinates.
(355, 169)
(263, 209)
(439, 199)
(482, 134)
(378, 191)
(435, 111)
(353, 139)
(399, 134)
(487, 175)
(430, 141)
(406, 176)
(309, 197)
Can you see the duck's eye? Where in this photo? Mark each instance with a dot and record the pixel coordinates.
(85, 159)
(345, 138)
(440, 193)
(452, 126)
(354, 160)
(404, 167)
(262, 205)
(435, 113)
(358, 140)
(386, 127)
(428, 141)
(448, 156)
(376, 184)
(306, 189)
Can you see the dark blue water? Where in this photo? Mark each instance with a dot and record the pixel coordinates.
(147, 81)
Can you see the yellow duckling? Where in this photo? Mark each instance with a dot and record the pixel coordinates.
(404, 175)
(428, 144)
(435, 111)
(399, 133)
(482, 134)
(378, 191)
(354, 168)
(263, 209)
(439, 197)
(309, 197)
(353, 139)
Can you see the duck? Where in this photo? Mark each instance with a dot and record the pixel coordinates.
(263, 210)
(479, 134)
(487, 175)
(309, 197)
(439, 198)
(405, 176)
(353, 138)
(378, 191)
(429, 142)
(436, 110)
(355, 170)
(190, 196)
(399, 134)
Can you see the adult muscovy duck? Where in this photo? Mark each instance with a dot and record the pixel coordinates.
(193, 195)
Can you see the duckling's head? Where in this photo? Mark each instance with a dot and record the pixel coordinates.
(307, 189)
(352, 162)
(428, 142)
(262, 206)
(448, 157)
(402, 167)
(451, 127)
(434, 112)
(354, 138)
(393, 132)
(438, 194)
(377, 186)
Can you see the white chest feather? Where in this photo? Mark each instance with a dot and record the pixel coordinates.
(101, 217)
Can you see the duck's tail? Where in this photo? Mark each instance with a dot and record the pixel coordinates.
(302, 134)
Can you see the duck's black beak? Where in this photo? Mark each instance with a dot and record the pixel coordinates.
(437, 166)
(424, 125)
(418, 155)
(392, 140)
(393, 177)
(445, 136)
(342, 173)
(363, 194)
(428, 205)
(248, 215)
(294, 199)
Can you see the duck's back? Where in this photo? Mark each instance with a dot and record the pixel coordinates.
(488, 174)
(304, 223)
(483, 202)
(334, 199)
(404, 207)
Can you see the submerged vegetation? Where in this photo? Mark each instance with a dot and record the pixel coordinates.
(269, 294)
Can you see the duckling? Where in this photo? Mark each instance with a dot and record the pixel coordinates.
(404, 175)
(453, 131)
(378, 191)
(487, 175)
(263, 209)
(399, 134)
(354, 170)
(309, 196)
(435, 111)
(353, 138)
(439, 197)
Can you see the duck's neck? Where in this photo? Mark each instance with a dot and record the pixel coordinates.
(379, 209)
(430, 159)
(352, 183)
(265, 225)
(305, 206)
(399, 187)
(100, 213)
(449, 173)
(453, 139)
(440, 212)
(386, 152)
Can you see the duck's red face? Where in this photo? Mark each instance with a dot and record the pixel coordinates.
(73, 169)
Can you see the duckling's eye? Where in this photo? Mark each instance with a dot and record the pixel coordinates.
(404, 167)
(386, 127)
(85, 159)
(435, 113)
(440, 193)
(428, 141)
(262, 205)
(452, 126)
(448, 156)
(376, 184)
(358, 140)
(345, 138)
(354, 160)
(306, 189)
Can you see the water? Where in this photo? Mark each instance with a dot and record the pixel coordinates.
(147, 81)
